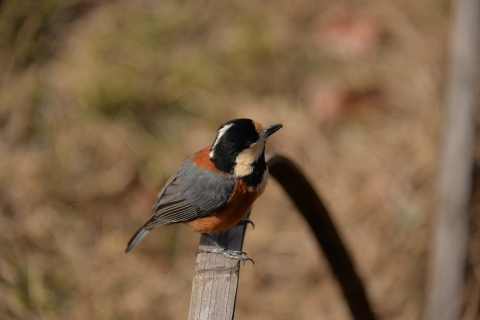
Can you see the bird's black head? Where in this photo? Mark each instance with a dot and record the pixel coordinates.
(240, 145)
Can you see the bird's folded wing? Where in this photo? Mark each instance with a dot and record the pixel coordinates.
(191, 193)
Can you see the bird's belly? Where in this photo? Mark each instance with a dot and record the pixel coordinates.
(237, 207)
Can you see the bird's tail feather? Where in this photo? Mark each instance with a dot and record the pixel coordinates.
(137, 237)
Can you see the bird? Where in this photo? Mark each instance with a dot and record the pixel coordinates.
(215, 188)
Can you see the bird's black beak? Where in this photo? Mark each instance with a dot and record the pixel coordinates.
(272, 129)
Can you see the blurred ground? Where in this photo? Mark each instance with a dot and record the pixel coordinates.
(101, 102)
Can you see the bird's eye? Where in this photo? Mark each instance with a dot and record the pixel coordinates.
(252, 143)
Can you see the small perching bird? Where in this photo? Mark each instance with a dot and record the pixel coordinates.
(216, 187)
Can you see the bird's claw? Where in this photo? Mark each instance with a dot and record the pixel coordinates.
(246, 221)
(232, 254)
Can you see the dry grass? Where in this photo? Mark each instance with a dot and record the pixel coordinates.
(100, 103)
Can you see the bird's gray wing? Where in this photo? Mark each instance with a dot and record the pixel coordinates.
(191, 193)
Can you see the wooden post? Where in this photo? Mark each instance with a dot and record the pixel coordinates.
(450, 236)
(216, 278)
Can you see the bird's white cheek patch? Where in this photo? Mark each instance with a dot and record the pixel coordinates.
(246, 158)
(242, 171)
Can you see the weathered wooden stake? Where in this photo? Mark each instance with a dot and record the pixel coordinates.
(216, 278)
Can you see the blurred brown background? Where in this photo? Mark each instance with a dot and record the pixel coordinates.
(100, 102)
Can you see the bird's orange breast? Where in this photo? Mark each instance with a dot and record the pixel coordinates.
(237, 207)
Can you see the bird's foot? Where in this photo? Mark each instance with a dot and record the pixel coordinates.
(246, 221)
(232, 254)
